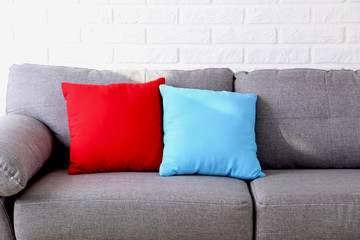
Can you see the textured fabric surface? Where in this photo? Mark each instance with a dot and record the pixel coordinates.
(6, 230)
(216, 79)
(307, 204)
(130, 205)
(107, 128)
(209, 133)
(306, 118)
(41, 98)
(25, 145)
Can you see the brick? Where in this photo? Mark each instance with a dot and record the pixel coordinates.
(179, 1)
(94, 1)
(244, 1)
(113, 34)
(324, 1)
(158, 15)
(178, 34)
(5, 15)
(64, 15)
(81, 53)
(23, 53)
(63, 34)
(245, 35)
(292, 1)
(128, 1)
(23, 14)
(296, 34)
(142, 54)
(25, 34)
(96, 15)
(278, 15)
(44, 34)
(278, 55)
(354, 34)
(8, 35)
(211, 15)
(46, 1)
(312, 1)
(337, 55)
(337, 15)
(89, 14)
(212, 55)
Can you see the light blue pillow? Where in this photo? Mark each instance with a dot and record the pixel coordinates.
(209, 133)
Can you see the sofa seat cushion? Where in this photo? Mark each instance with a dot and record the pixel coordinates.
(133, 205)
(307, 204)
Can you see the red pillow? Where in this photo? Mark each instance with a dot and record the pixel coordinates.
(117, 127)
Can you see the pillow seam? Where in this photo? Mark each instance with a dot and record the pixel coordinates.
(12, 178)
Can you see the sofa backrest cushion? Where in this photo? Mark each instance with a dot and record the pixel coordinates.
(306, 118)
(216, 79)
(35, 90)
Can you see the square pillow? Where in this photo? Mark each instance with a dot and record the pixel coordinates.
(117, 127)
(209, 133)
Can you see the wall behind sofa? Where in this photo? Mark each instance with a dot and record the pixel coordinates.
(182, 34)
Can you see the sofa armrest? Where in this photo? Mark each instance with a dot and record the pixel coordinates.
(25, 145)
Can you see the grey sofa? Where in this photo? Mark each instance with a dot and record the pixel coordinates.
(308, 137)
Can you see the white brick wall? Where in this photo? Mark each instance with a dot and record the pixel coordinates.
(245, 35)
(182, 34)
(277, 14)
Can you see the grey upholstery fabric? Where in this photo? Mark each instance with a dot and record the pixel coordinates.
(307, 204)
(6, 230)
(130, 205)
(25, 145)
(216, 79)
(41, 96)
(306, 118)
